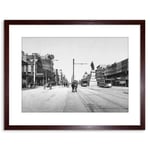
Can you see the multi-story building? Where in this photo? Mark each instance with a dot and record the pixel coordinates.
(47, 68)
(36, 69)
(117, 72)
(24, 70)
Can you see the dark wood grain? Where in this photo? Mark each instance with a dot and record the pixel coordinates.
(6, 75)
(74, 22)
(142, 74)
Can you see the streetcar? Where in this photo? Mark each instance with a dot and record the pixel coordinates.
(84, 83)
(107, 83)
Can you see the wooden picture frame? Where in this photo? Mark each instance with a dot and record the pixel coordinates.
(8, 35)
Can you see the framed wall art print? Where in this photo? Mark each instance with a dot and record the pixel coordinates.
(74, 74)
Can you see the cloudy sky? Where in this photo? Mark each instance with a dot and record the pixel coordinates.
(102, 51)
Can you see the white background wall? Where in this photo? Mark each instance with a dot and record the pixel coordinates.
(77, 9)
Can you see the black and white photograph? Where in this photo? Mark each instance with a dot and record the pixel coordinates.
(75, 74)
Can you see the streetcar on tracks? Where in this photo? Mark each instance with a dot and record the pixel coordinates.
(84, 83)
(106, 83)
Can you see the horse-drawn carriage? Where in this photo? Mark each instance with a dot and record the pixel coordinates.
(74, 85)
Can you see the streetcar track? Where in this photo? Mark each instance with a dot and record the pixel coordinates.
(108, 100)
(109, 94)
(84, 102)
(89, 106)
(97, 106)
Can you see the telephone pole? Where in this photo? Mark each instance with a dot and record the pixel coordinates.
(73, 70)
(73, 75)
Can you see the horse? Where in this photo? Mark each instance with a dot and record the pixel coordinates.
(74, 86)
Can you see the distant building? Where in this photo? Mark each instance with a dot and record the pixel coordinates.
(48, 68)
(99, 74)
(86, 77)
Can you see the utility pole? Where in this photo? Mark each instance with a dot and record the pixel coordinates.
(73, 76)
(34, 69)
(73, 70)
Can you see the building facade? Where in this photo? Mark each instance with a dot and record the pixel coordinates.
(116, 72)
(36, 69)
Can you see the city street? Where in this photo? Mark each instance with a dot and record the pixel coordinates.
(86, 99)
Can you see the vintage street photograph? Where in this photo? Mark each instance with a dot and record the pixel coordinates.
(75, 74)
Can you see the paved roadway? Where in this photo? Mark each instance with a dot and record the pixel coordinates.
(87, 99)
